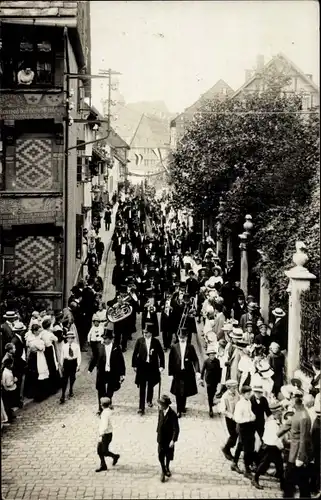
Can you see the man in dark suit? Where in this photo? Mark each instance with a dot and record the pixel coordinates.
(19, 359)
(6, 328)
(119, 275)
(167, 434)
(279, 329)
(192, 285)
(184, 367)
(297, 471)
(148, 362)
(110, 365)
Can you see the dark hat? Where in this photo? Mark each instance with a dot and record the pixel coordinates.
(123, 288)
(297, 382)
(245, 389)
(183, 331)
(164, 400)
(149, 291)
(105, 402)
(149, 327)
(182, 285)
(70, 335)
(186, 296)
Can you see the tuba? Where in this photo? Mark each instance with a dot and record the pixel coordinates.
(121, 310)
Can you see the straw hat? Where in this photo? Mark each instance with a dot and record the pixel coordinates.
(19, 327)
(10, 315)
(264, 369)
(278, 312)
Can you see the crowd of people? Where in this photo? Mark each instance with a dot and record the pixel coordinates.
(172, 277)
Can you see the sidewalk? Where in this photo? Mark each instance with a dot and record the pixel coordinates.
(106, 237)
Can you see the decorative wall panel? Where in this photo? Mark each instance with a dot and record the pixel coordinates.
(34, 164)
(35, 260)
(30, 106)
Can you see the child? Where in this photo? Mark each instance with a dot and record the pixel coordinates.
(9, 386)
(272, 447)
(212, 372)
(277, 362)
(227, 407)
(245, 418)
(95, 335)
(105, 435)
(70, 363)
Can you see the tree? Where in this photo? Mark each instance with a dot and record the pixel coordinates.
(262, 155)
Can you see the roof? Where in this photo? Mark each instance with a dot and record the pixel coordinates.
(209, 94)
(150, 133)
(281, 57)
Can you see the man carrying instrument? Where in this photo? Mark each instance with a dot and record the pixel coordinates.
(148, 362)
(149, 313)
(119, 313)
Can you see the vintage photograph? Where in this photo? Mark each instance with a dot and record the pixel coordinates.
(160, 249)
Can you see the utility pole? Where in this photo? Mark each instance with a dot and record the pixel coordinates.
(109, 72)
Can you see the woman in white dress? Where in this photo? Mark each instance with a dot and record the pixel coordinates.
(50, 353)
(37, 377)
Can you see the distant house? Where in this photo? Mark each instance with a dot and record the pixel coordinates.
(221, 90)
(299, 81)
(149, 147)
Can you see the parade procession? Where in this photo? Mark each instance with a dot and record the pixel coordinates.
(169, 294)
(159, 250)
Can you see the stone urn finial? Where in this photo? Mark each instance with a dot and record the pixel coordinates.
(300, 258)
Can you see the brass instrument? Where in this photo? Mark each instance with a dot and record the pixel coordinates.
(121, 310)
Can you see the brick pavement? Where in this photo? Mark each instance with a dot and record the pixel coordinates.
(50, 452)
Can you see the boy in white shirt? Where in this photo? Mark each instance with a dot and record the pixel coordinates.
(70, 363)
(272, 447)
(95, 334)
(105, 435)
(244, 418)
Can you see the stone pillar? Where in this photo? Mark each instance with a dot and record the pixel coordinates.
(219, 232)
(300, 279)
(244, 279)
(264, 298)
(264, 292)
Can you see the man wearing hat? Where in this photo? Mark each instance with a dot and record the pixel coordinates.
(167, 434)
(227, 408)
(272, 447)
(70, 361)
(250, 316)
(260, 408)
(149, 314)
(110, 365)
(192, 285)
(279, 328)
(235, 353)
(297, 472)
(6, 328)
(245, 418)
(19, 359)
(211, 371)
(148, 361)
(105, 435)
(315, 438)
(184, 367)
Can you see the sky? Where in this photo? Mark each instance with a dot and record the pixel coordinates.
(176, 50)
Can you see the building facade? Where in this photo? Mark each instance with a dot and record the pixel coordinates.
(42, 195)
(220, 91)
(299, 82)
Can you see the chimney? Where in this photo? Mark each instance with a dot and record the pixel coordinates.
(248, 74)
(309, 76)
(259, 62)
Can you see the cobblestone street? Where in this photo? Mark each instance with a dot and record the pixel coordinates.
(50, 452)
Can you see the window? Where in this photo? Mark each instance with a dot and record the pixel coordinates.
(146, 162)
(79, 169)
(6, 252)
(80, 159)
(28, 58)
